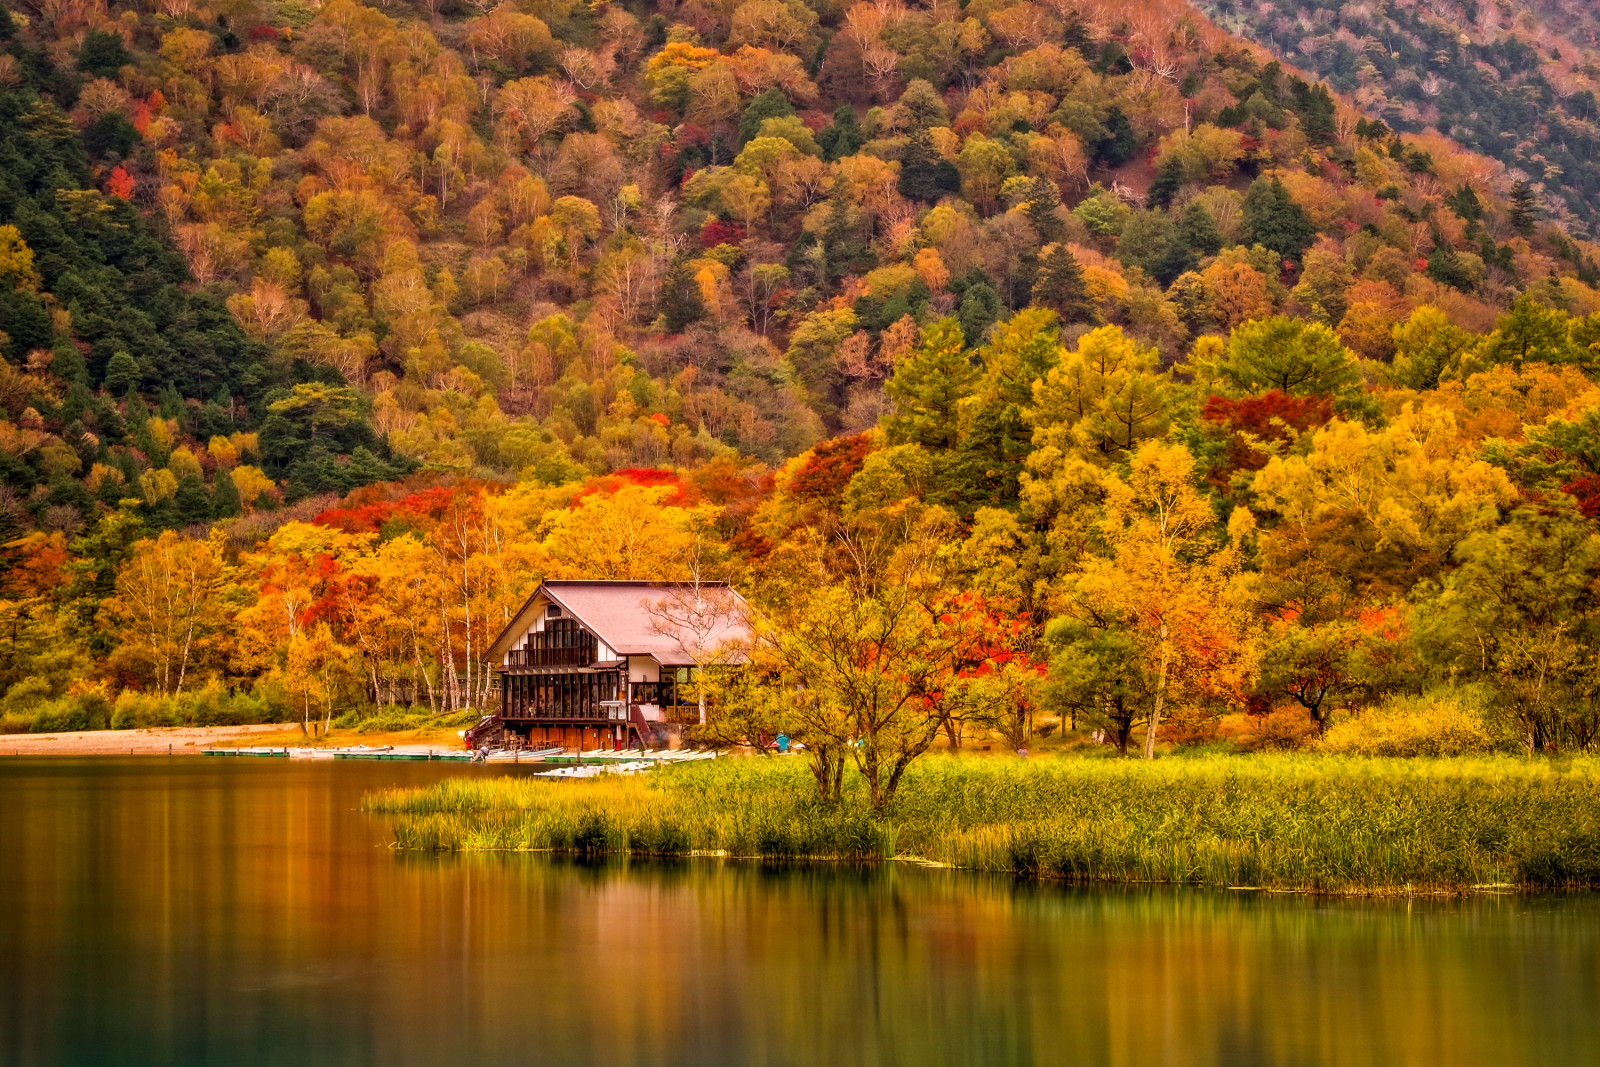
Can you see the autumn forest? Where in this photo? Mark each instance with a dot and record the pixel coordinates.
(1040, 370)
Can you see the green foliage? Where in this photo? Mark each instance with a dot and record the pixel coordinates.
(929, 387)
(1273, 220)
(1289, 355)
(1322, 825)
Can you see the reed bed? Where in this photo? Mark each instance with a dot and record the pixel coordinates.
(1302, 823)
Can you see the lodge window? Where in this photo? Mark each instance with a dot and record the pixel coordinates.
(673, 688)
(561, 643)
(560, 696)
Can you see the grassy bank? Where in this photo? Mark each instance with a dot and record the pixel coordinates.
(1279, 822)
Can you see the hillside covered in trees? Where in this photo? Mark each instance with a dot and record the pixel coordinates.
(1516, 81)
(1163, 382)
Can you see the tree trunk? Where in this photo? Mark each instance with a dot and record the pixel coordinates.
(1161, 694)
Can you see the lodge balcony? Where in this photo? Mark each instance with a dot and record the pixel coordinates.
(580, 656)
(609, 711)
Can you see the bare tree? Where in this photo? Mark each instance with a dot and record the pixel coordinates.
(705, 618)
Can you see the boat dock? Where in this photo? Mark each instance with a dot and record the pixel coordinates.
(561, 763)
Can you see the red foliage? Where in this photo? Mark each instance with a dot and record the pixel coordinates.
(264, 32)
(120, 183)
(358, 516)
(1387, 622)
(1269, 416)
(689, 134)
(716, 232)
(1586, 491)
(830, 467)
(660, 419)
(682, 495)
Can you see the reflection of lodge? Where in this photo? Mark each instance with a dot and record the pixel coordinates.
(601, 664)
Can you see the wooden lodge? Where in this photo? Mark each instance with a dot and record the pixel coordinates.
(610, 664)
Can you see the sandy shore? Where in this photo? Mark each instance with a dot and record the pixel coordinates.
(179, 740)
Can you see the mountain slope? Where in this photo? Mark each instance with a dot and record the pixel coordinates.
(1518, 83)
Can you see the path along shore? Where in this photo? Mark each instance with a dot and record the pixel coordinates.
(156, 741)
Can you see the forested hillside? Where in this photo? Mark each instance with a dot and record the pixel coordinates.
(1162, 381)
(1516, 80)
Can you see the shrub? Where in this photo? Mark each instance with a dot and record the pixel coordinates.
(1280, 730)
(1447, 723)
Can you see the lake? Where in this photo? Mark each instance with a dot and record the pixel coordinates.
(206, 911)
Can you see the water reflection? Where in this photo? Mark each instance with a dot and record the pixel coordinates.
(194, 912)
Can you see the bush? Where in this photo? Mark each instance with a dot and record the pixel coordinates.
(393, 718)
(1280, 730)
(1446, 723)
(213, 705)
(28, 708)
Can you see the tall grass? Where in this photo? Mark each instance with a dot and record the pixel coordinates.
(1279, 822)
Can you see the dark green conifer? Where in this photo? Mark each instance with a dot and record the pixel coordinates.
(1059, 286)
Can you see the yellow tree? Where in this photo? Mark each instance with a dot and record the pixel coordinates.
(1169, 592)
(632, 534)
(166, 605)
(316, 669)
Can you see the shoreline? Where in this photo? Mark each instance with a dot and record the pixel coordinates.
(194, 740)
(145, 741)
(1320, 825)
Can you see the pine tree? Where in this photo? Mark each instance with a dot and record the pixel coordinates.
(928, 387)
(918, 179)
(842, 138)
(1060, 287)
(1523, 204)
(191, 504)
(1199, 230)
(1169, 180)
(366, 468)
(1275, 221)
(980, 306)
(225, 502)
(846, 251)
(771, 104)
(122, 373)
(1043, 200)
(679, 303)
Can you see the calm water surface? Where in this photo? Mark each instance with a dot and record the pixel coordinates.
(196, 911)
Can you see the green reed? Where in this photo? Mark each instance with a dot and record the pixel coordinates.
(1276, 822)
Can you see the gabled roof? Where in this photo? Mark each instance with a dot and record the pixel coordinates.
(637, 618)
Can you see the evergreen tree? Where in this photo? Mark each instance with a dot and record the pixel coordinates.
(928, 387)
(122, 373)
(366, 468)
(1466, 204)
(980, 306)
(1199, 230)
(679, 303)
(1446, 268)
(771, 104)
(1169, 180)
(1043, 200)
(102, 54)
(1059, 286)
(172, 406)
(846, 250)
(918, 178)
(1119, 142)
(191, 504)
(842, 138)
(225, 502)
(1275, 221)
(1523, 205)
